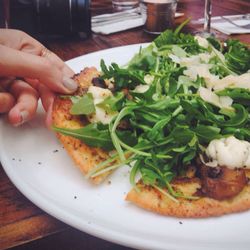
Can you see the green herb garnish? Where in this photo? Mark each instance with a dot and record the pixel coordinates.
(169, 124)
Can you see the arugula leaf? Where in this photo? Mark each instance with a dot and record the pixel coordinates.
(122, 78)
(127, 137)
(144, 60)
(240, 95)
(237, 56)
(178, 51)
(94, 135)
(215, 43)
(157, 131)
(112, 103)
(169, 38)
(149, 176)
(182, 135)
(83, 105)
(134, 171)
(207, 133)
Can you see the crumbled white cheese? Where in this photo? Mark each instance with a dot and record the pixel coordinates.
(100, 115)
(220, 101)
(229, 152)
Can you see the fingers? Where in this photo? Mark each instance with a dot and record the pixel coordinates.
(48, 120)
(22, 64)
(19, 40)
(23, 56)
(26, 102)
(47, 98)
(56, 61)
(7, 101)
(27, 98)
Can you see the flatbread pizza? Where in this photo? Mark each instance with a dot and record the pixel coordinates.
(178, 114)
(85, 157)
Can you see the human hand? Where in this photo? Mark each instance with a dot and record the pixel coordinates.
(29, 71)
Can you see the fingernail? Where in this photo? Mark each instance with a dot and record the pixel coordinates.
(24, 117)
(69, 83)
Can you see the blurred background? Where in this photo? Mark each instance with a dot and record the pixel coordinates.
(46, 18)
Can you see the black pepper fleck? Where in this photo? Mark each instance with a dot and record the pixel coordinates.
(75, 197)
(13, 159)
(55, 151)
(180, 222)
(39, 163)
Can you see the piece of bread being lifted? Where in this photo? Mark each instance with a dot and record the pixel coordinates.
(85, 157)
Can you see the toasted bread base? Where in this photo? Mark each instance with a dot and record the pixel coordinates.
(153, 200)
(85, 157)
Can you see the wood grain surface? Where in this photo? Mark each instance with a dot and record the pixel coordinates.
(20, 220)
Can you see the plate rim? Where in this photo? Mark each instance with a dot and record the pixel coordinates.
(71, 219)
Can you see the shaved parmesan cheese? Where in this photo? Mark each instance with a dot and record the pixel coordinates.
(148, 79)
(201, 70)
(100, 115)
(229, 152)
(210, 97)
(231, 81)
(174, 58)
(202, 41)
(141, 88)
(197, 65)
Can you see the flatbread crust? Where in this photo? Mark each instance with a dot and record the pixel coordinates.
(85, 157)
(153, 200)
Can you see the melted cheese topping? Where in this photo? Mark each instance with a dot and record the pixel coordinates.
(229, 152)
(99, 95)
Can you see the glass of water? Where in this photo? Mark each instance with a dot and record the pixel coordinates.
(207, 16)
(120, 5)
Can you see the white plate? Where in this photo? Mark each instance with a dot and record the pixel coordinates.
(50, 180)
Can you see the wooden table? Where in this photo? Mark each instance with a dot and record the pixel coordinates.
(20, 220)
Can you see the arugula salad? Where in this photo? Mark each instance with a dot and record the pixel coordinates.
(160, 111)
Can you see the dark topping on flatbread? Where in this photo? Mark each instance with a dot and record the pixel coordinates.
(214, 172)
(222, 183)
(99, 82)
